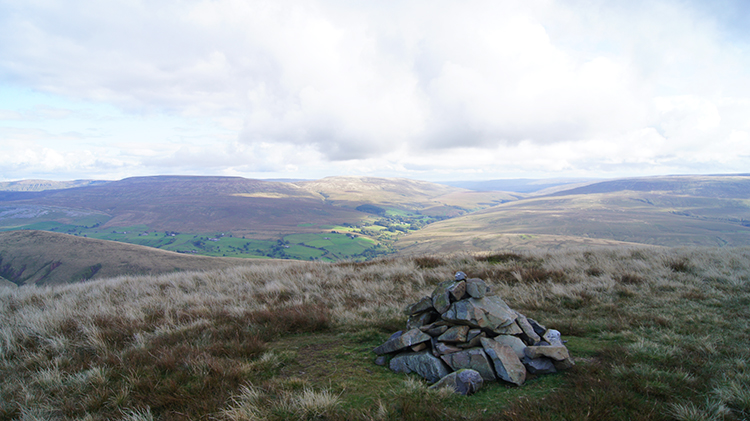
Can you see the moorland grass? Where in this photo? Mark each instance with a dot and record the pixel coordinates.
(657, 334)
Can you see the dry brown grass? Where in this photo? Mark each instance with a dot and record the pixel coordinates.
(659, 333)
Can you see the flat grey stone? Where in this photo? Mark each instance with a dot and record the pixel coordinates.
(473, 358)
(407, 339)
(420, 306)
(441, 299)
(457, 291)
(540, 365)
(476, 287)
(442, 348)
(434, 330)
(527, 329)
(512, 341)
(489, 312)
(511, 329)
(423, 363)
(464, 382)
(454, 334)
(508, 366)
(555, 352)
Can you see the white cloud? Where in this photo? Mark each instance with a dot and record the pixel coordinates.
(393, 88)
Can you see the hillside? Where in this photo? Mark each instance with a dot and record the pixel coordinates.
(41, 185)
(655, 334)
(330, 219)
(358, 218)
(521, 185)
(721, 186)
(660, 211)
(411, 195)
(46, 258)
(194, 204)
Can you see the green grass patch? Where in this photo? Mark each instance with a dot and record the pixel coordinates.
(332, 245)
(344, 362)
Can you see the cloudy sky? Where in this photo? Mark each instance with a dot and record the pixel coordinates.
(431, 90)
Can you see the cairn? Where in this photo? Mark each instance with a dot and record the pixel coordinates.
(461, 336)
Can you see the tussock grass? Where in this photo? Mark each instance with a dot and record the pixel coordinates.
(657, 333)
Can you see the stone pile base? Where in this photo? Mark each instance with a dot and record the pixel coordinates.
(459, 328)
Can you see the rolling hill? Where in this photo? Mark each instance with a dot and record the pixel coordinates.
(46, 258)
(400, 193)
(358, 218)
(659, 211)
(331, 219)
(41, 185)
(193, 204)
(243, 206)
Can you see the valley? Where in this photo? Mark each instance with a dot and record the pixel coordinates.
(337, 218)
(183, 298)
(360, 218)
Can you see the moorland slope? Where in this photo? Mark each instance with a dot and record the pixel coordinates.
(46, 258)
(192, 204)
(330, 219)
(656, 335)
(357, 218)
(427, 198)
(658, 211)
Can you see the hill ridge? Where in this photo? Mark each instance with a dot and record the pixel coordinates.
(47, 258)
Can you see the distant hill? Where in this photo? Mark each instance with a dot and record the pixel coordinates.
(46, 258)
(358, 218)
(195, 204)
(428, 198)
(388, 191)
(660, 211)
(723, 186)
(329, 219)
(519, 185)
(42, 185)
(244, 206)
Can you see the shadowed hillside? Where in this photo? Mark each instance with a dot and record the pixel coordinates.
(45, 258)
(197, 204)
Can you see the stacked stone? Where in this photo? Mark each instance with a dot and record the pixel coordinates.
(462, 328)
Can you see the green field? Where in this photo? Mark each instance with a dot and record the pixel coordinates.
(332, 246)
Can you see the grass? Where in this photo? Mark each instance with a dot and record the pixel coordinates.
(668, 218)
(657, 334)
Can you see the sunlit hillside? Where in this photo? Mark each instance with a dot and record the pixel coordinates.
(656, 334)
(658, 211)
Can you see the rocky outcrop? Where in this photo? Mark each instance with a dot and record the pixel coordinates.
(462, 335)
